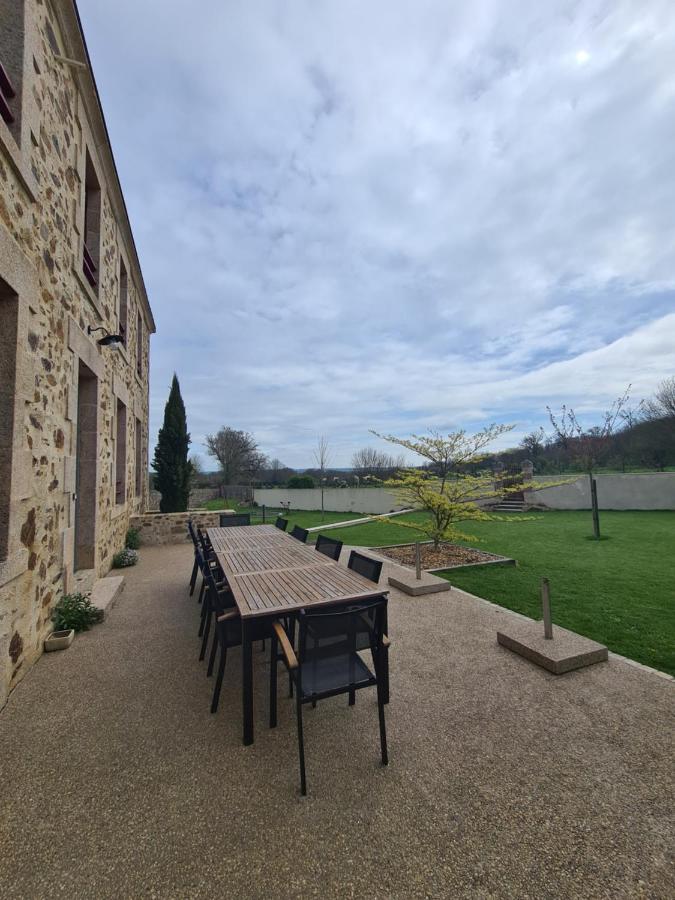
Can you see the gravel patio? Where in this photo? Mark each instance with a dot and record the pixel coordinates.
(504, 781)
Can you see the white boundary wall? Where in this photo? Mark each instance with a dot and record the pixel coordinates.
(358, 500)
(649, 491)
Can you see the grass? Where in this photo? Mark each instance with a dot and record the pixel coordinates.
(619, 591)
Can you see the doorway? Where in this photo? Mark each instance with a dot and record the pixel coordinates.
(86, 466)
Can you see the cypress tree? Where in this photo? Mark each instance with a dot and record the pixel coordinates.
(171, 463)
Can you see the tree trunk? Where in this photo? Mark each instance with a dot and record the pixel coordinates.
(594, 506)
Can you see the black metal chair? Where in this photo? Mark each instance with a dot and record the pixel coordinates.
(229, 520)
(195, 566)
(364, 565)
(227, 630)
(209, 555)
(281, 523)
(329, 547)
(300, 534)
(328, 662)
(211, 574)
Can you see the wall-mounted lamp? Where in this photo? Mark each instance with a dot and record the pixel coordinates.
(108, 340)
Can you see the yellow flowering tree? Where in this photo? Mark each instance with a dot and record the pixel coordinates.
(444, 489)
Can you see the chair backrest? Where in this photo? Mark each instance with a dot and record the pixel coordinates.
(329, 546)
(341, 631)
(300, 534)
(191, 531)
(204, 541)
(364, 565)
(228, 520)
(212, 588)
(281, 523)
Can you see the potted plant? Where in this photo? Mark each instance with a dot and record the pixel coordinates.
(125, 558)
(73, 612)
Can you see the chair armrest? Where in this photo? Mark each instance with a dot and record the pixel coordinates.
(385, 641)
(289, 652)
(230, 614)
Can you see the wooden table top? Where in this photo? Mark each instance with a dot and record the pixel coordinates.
(272, 573)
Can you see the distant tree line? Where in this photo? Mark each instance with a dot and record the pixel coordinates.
(628, 437)
(638, 437)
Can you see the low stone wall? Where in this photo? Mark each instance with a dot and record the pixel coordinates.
(197, 497)
(171, 528)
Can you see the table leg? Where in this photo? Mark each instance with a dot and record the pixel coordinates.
(385, 678)
(247, 681)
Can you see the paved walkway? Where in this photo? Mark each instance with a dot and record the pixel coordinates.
(503, 781)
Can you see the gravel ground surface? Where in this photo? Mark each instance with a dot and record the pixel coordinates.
(449, 555)
(504, 781)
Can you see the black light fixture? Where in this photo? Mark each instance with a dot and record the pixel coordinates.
(108, 340)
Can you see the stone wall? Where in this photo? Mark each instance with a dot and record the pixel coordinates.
(47, 306)
(197, 497)
(171, 528)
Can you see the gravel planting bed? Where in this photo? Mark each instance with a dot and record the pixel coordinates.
(447, 556)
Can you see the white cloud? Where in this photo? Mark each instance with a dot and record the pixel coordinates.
(395, 215)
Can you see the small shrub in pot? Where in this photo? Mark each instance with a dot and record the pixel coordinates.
(133, 539)
(75, 611)
(125, 558)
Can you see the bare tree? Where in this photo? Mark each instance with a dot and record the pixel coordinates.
(533, 444)
(237, 453)
(662, 405)
(322, 458)
(369, 461)
(587, 446)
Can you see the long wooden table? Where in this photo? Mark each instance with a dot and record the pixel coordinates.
(271, 575)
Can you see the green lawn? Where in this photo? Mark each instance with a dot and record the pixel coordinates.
(620, 590)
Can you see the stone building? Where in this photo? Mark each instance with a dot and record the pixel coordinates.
(73, 411)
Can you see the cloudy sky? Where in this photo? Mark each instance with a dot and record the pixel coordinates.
(396, 215)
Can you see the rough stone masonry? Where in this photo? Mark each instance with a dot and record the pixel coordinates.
(73, 414)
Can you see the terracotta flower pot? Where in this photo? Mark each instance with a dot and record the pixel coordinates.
(59, 640)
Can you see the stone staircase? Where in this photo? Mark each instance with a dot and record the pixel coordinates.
(509, 505)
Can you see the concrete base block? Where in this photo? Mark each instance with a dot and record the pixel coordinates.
(106, 591)
(417, 588)
(564, 653)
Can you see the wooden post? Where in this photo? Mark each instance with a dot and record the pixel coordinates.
(263, 506)
(418, 562)
(546, 609)
(594, 503)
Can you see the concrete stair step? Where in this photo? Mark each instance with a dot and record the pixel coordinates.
(105, 592)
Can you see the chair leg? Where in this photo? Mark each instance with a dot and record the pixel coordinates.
(301, 747)
(352, 697)
(200, 598)
(193, 577)
(383, 730)
(291, 636)
(212, 655)
(273, 681)
(219, 677)
(204, 600)
(205, 639)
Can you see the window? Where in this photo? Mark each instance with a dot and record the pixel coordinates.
(139, 457)
(121, 454)
(11, 64)
(122, 313)
(139, 344)
(92, 224)
(9, 315)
